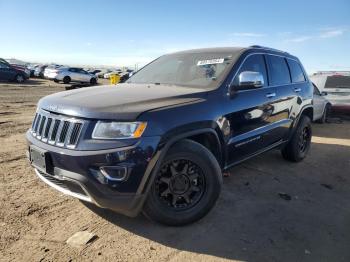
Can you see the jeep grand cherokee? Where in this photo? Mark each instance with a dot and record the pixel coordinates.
(160, 142)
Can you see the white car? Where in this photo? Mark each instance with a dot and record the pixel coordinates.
(71, 74)
(322, 107)
(337, 87)
(108, 75)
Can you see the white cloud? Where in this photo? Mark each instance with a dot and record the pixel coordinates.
(331, 33)
(299, 39)
(325, 33)
(248, 34)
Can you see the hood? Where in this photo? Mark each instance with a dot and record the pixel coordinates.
(120, 102)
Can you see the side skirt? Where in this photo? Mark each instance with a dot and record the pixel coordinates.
(277, 144)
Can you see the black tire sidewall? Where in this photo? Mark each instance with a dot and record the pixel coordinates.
(292, 151)
(66, 79)
(19, 81)
(93, 81)
(211, 170)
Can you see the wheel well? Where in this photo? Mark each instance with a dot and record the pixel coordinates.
(211, 142)
(308, 112)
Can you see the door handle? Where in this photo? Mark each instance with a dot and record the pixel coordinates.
(270, 95)
(297, 90)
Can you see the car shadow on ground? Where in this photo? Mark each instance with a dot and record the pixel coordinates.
(269, 210)
(29, 82)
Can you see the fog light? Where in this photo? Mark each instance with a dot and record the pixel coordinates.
(114, 173)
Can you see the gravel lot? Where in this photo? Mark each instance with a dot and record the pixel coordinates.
(254, 219)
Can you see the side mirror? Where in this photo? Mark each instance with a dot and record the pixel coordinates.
(324, 93)
(250, 79)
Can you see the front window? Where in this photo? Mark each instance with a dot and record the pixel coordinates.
(204, 70)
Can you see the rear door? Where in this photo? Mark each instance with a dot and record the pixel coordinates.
(74, 74)
(286, 96)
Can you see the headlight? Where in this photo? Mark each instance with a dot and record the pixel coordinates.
(118, 130)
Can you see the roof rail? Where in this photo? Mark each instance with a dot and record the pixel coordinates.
(268, 48)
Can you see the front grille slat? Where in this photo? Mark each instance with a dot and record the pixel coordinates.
(63, 134)
(37, 124)
(41, 126)
(47, 128)
(75, 134)
(56, 129)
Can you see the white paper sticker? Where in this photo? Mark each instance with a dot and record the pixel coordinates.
(210, 61)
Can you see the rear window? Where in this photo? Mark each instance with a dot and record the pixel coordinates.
(338, 81)
(295, 71)
(278, 70)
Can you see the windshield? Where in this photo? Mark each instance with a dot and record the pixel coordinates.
(205, 70)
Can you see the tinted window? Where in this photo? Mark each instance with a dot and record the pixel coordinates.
(255, 63)
(338, 81)
(4, 66)
(278, 70)
(296, 71)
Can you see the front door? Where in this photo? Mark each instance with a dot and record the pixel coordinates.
(6, 72)
(251, 114)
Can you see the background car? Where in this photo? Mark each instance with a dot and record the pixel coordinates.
(337, 86)
(103, 72)
(108, 75)
(12, 73)
(71, 74)
(49, 69)
(94, 71)
(22, 68)
(32, 68)
(322, 107)
(39, 71)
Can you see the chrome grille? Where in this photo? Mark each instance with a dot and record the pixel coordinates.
(57, 129)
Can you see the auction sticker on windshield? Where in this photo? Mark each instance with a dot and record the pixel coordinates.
(210, 61)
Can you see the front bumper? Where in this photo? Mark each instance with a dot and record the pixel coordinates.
(78, 173)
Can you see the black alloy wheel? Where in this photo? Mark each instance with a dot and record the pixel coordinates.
(180, 184)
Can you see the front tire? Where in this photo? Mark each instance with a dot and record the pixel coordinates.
(300, 143)
(93, 81)
(186, 187)
(19, 78)
(66, 79)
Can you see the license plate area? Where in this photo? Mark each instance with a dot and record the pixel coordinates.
(38, 158)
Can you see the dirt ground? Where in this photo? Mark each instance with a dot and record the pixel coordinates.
(254, 219)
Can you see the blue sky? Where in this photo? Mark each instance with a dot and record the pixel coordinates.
(128, 32)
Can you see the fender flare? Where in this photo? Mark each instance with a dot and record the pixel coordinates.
(296, 121)
(156, 161)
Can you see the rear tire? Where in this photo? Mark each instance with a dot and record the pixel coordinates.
(93, 81)
(186, 187)
(300, 143)
(325, 115)
(56, 81)
(66, 79)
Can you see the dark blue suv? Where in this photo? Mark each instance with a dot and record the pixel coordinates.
(159, 142)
